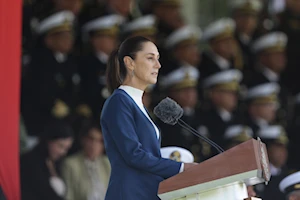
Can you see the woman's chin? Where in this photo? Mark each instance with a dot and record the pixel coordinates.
(153, 81)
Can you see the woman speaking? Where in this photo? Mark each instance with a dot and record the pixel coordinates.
(131, 138)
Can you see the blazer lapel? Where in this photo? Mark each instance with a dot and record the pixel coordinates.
(159, 137)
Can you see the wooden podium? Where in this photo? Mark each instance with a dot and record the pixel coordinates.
(223, 176)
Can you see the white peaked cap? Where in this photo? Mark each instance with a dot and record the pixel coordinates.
(270, 40)
(262, 90)
(218, 27)
(235, 130)
(179, 75)
(177, 153)
(104, 22)
(225, 76)
(253, 4)
(291, 182)
(144, 22)
(270, 132)
(55, 20)
(181, 34)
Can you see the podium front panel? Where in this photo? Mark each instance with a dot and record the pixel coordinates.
(233, 191)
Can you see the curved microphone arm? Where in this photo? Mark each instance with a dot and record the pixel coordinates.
(192, 130)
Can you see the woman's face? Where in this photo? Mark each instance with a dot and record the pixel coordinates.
(58, 148)
(146, 65)
(93, 144)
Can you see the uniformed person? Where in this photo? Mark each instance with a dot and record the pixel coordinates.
(180, 50)
(101, 34)
(142, 26)
(37, 9)
(168, 13)
(181, 85)
(276, 140)
(236, 134)
(182, 47)
(221, 91)
(222, 47)
(262, 103)
(246, 15)
(290, 186)
(270, 51)
(93, 9)
(289, 23)
(51, 86)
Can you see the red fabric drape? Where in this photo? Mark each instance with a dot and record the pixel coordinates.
(10, 51)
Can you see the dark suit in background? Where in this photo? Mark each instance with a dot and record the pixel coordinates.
(2, 197)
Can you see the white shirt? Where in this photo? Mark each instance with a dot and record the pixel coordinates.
(274, 170)
(57, 185)
(245, 39)
(98, 189)
(103, 57)
(220, 61)
(261, 122)
(137, 95)
(225, 115)
(188, 111)
(60, 57)
(271, 76)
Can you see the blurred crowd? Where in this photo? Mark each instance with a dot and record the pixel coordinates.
(236, 79)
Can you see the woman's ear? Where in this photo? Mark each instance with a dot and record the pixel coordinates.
(129, 62)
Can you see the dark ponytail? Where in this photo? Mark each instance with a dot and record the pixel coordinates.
(116, 71)
(113, 74)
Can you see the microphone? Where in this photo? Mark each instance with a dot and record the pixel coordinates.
(170, 112)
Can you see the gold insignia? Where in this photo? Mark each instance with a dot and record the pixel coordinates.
(186, 82)
(175, 155)
(283, 139)
(60, 109)
(243, 136)
(84, 110)
(297, 186)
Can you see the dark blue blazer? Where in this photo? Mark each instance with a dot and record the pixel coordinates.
(133, 150)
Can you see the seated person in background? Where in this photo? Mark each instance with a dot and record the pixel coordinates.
(181, 86)
(2, 197)
(290, 186)
(39, 166)
(144, 26)
(236, 134)
(276, 140)
(87, 173)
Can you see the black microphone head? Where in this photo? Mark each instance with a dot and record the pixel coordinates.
(168, 111)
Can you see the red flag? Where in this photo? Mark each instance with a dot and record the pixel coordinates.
(10, 53)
